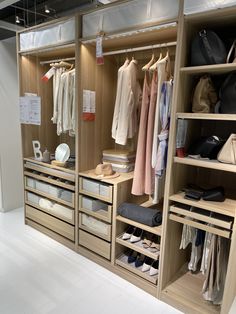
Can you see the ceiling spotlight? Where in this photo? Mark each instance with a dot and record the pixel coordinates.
(17, 19)
(46, 9)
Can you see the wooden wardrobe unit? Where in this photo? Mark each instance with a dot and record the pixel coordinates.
(43, 180)
(96, 135)
(178, 286)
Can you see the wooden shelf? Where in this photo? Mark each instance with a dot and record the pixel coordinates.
(53, 213)
(206, 116)
(137, 246)
(46, 165)
(154, 230)
(97, 196)
(122, 177)
(48, 180)
(210, 164)
(212, 69)
(99, 214)
(186, 289)
(122, 261)
(49, 196)
(228, 207)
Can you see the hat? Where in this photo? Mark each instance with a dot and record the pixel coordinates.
(104, 171)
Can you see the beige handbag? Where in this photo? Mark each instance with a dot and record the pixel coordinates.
(205, 97)
(228, 151)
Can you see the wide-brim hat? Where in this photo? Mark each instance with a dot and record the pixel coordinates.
(104, 171)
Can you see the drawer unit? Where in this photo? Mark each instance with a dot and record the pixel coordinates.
(42, 187)
(95, 226)
(30, 182)
(50, 222)
(92, 204)
(95, 244)
(33, 198)
(96, 189)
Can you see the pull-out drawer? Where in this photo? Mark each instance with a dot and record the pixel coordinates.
(95, 208)
(95, 244)
(55, 193)
(95, 226)
(96, 189)
(202, 219)
(50, 222)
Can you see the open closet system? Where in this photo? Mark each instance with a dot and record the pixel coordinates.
(60, 201)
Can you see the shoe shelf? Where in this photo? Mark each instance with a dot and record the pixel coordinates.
(122, 261)
(185, 289)
(210, 164)
(206, 116)
(228, 207)
(212, 69)
(155, 230)
(137, 246)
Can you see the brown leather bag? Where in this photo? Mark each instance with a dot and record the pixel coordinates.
(205, 97)
(228, 151)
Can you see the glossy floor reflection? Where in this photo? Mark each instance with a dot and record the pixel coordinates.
(38, 275)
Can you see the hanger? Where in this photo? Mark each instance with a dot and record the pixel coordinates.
(62, 64)
(147, 66)
(154, 66)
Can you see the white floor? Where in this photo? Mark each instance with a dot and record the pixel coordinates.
(40, 276)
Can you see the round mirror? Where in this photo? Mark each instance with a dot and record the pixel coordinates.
(62, 152)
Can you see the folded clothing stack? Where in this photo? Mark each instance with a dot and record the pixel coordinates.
(147, 216)
(121, 160)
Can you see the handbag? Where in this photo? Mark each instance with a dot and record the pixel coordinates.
(227, 95)
(228, 151)
(206, 147)
(207, 48)
(205, 97)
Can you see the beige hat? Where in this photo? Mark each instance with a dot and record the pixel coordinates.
(104, 171)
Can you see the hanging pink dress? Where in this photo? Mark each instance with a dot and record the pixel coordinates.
(139, 170)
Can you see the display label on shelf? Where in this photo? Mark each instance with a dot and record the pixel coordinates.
(89, 105)
(99, 51)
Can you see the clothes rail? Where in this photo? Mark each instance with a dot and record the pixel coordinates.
(57, 60)
(162, 45)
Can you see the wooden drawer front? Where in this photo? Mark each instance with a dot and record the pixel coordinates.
(95, 208)
(95, 244)
(91, 226)
(50, 222)
(96, 189)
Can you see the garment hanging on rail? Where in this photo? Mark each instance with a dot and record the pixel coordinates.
(128, 95)
(164, 73)
(63, 97)
(139, 170)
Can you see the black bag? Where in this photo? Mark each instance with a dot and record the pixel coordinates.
(206, 147)
(228, 94)
(207, 48)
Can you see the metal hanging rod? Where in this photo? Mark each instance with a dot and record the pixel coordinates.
(162, 45)
(57, 60)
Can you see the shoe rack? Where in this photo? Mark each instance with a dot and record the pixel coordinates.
(178, 286)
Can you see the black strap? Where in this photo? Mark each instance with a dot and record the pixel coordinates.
(207, 51)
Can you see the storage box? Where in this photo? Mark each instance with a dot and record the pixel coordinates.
(95, 225)
(31, 197)
(65, 195)
(89, 203)
(90, 186)
(41, 186)
(104, 190)
(30, 182)
(53, 190)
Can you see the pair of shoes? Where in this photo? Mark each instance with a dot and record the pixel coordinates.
(136, 258)
(153, 244)
(151, 266)
(133, 234)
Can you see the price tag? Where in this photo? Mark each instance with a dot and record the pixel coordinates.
(99, 52)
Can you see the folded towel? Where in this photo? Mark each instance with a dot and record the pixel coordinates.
(147, 216)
